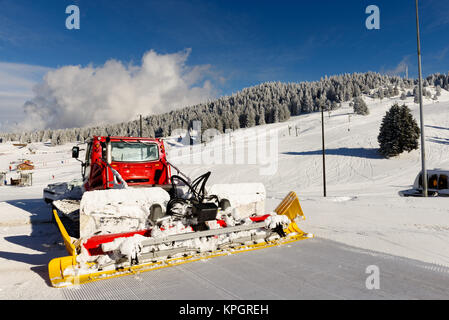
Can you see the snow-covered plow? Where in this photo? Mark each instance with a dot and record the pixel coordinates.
(123, 232)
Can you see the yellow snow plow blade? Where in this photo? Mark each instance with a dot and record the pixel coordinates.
(62, 270)
(59, 279)
(291, 207)
(65, 236)
(57, 266)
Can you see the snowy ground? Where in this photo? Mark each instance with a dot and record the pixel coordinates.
(362, 209)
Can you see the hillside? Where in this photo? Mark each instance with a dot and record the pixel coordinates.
(262, 104)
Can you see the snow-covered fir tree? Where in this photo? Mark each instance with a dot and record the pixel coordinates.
(360, 106)
(399, 132)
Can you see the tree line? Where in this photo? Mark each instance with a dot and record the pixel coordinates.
(269, 102)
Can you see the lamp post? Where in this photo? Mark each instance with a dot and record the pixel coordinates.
(141, 128)
(324, 152)
(423, 149)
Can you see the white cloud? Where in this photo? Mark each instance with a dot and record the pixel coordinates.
(16, 87)
(75, 96)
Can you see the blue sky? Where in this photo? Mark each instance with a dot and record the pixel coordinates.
(243, 42)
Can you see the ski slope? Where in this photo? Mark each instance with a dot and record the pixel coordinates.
(362, 209)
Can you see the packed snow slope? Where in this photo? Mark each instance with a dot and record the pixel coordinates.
(362, 209)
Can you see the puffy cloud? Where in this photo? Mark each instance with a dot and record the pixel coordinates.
(16, 83)
(76, 96)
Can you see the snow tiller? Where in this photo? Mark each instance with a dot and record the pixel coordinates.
(126, 230)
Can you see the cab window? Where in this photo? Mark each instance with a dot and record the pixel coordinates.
(433, 181)
(134, 151)
(442, 182)
(88, 153)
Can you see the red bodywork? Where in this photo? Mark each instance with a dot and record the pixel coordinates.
(98, 174)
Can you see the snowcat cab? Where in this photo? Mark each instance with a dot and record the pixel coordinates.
(139, 162)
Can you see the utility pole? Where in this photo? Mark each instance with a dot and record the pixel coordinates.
(141, 131)
(423, 149)
(324, 152)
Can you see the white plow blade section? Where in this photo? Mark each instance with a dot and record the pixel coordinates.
(118, 211)
(246, 199)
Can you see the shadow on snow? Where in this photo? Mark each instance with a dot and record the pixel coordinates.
(347, 152)
(436, 127)
(438, 140)
(44, 238)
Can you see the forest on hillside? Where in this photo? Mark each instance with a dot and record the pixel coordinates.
(265, 103)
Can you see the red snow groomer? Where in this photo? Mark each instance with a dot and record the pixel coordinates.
(115, 163)
(138, 161)
(130, 214)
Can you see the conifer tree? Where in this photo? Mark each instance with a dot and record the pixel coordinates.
(399, 132)
(360, 106)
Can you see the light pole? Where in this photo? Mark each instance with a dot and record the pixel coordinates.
(324, 152)
(423, 149)
(141, 128)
